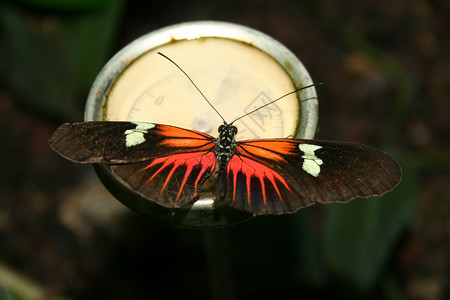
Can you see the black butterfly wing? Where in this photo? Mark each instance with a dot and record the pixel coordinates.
(278, 176)
(125, 142)
(166, 164)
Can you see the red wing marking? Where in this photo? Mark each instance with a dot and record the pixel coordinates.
(251, 168)
(247, 181)
(234, 180)
(176, 132)
(174, 137)
(263, 189)
(270, 176)
(198, 144)
(206, 160)
(275, 149)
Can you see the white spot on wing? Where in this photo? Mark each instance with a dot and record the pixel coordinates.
(135, 136)
(311, 163)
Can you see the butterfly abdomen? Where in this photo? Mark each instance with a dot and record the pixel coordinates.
(220, 185)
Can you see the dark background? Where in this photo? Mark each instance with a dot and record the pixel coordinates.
(386, 69)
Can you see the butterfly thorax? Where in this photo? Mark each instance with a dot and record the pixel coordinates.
(225, 144)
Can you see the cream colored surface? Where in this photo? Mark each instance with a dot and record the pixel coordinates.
(234, 76)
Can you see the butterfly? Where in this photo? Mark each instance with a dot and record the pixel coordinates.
(171, 165)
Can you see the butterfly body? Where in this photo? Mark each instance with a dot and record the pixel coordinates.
(169, 165)
(224, 151)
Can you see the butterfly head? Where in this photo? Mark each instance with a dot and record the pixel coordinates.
(227, 130)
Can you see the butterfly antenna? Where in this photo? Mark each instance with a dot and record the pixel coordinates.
(279, 98)
(193, 84)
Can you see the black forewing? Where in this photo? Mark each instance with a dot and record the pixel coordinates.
(95, 142)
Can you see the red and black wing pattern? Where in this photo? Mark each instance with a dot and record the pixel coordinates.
(278, 176)
(166, 164)
(171, 181)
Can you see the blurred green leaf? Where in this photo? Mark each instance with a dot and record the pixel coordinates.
(360, 235)
(67, 4)
(4, 294)
(18, 286)
(52, 59)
